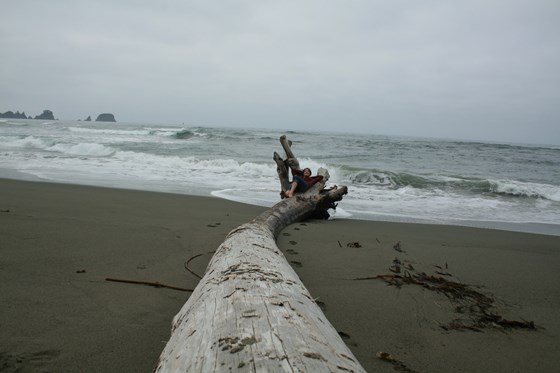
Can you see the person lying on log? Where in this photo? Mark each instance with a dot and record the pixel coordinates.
(302, 181)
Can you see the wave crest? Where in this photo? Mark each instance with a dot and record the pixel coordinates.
(525, 189)
(183, 135)
(460, 185)
(83, 149)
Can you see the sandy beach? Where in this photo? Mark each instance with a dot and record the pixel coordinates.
(59, 243)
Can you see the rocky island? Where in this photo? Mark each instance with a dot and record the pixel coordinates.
(11, 115)
(105, 117)
(46, 115)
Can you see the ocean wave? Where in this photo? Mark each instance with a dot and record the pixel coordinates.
(455, 184)
(166, 132)
(525, 189)
(80, 149)
(83, 149)
(389, 179)
(25, 142)
(371, 178)
(107, 131)
(208, 168)
(183, 134)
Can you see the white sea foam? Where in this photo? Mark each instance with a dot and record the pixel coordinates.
(528, 189)
(106, 131)
(83, 149)
(26, 142)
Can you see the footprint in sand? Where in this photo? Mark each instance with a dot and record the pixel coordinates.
(346, 338)
(296, 263)
(293, 242)
(344, 335)
(291, 251)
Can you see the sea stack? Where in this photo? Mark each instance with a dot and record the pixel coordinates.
(105, 117)
(46, 115)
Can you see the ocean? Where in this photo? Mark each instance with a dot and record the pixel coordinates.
(400, 179)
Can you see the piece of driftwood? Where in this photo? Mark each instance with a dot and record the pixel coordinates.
(250, 312)
(149, 283)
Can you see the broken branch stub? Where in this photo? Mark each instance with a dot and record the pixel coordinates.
(290, 157)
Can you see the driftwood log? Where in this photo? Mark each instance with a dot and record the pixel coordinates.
(250, 312)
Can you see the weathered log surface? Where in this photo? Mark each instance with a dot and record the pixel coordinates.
(250, 312)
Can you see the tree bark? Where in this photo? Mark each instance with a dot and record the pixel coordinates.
(250, 312)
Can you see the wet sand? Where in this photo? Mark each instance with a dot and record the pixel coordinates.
(59, 243)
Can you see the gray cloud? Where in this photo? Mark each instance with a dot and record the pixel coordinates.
(468, 69)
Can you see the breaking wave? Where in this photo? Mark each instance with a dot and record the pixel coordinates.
(83, 149)
(184, 134)
(461, 185)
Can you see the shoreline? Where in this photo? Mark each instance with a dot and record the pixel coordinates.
(526, 227)
(61, 241)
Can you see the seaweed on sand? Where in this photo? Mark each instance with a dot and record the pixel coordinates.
(478, 308)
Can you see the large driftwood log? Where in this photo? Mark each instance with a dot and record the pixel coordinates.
(250, 312)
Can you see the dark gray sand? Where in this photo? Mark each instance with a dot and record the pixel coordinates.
(59, 243)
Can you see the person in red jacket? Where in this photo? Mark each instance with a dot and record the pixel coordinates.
(302, 180)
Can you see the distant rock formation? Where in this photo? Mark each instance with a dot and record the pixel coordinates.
(12, 115)
(105, 117)
(47, 115)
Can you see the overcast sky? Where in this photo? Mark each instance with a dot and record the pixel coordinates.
(470, 69)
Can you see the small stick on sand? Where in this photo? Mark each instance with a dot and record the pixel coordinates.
(193, 257)
(155, 284)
